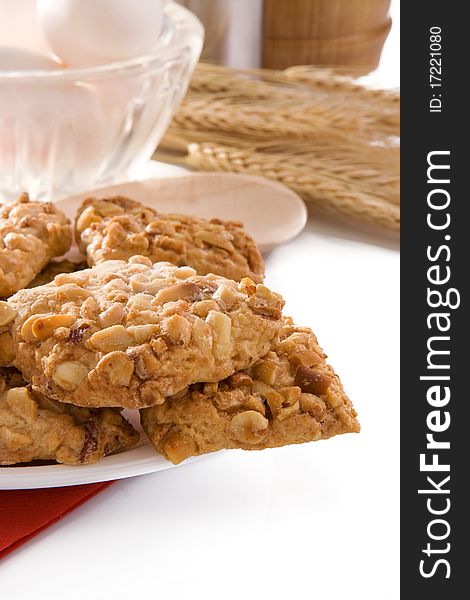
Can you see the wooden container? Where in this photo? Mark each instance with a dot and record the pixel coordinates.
(347, 33)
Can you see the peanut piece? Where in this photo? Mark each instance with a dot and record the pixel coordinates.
(142, 333)
(259, 387)
(248, 286)
(108, 209)
(116, 284)
(44, 327)
(22, 403)
(138, 242)
(178, 329)
(312, 404)
(275, 401)
(140, 283)
(118, 367)
(288, 411)
(202, 308)
(311, 381)
(158, 345)
(215, 239)
(177, 447)
(168, 243)
(146, 364)
(26, 329)
(7, 314)
(114, 315)
(306, 358)
(87, 217)
(227, 294)
(266, 303)
(179, 307)
(202, 335)
(112, 338)
(76, 278)
(69, 375)
(141, 260)
(140, 302)
(240, 380)
(184, 273)
(73, 292)
(255, 403)
(291, 395)
(266, 371)
(181, 291)
(222, 327)
(229, 401)
(333, 400)
(89, 309)
(249, 427)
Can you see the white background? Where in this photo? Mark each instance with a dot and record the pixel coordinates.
(318, 520)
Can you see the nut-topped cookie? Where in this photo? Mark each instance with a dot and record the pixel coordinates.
(33, 427)
(130, 333)
(118, 228)
(31, 233)
(289, 396)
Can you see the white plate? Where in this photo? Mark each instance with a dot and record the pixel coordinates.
(138, 460)
(271, 213)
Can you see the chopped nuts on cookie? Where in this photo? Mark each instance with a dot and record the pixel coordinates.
(128, 334)
(118, 228)
(31, 233)
(289, 396)
(33, 427)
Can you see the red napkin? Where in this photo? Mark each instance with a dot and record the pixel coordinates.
(24, 513)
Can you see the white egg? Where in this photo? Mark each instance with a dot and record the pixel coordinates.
(19, 27)
(18, 59)
(91, 32)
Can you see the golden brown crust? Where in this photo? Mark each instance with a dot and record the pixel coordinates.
(118, 228)
(31, 233)
(289, 396)
(33, 427)
(130, 333)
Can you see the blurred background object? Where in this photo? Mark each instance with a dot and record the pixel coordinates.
(277, 34)
(232, 30)
(64, 130)
(344, 33)
(332, 140)
(19, 27)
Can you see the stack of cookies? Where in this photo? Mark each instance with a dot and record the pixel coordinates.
(171, 318)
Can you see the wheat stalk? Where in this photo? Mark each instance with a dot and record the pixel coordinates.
(323, 191)
(324, 135)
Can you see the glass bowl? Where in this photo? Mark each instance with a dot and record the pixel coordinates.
(69, 130)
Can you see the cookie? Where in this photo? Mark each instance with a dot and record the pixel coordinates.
(290, 396)
(31, 233)
(33, 427)
(118, 228)
(131, 333)
(56, 267)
